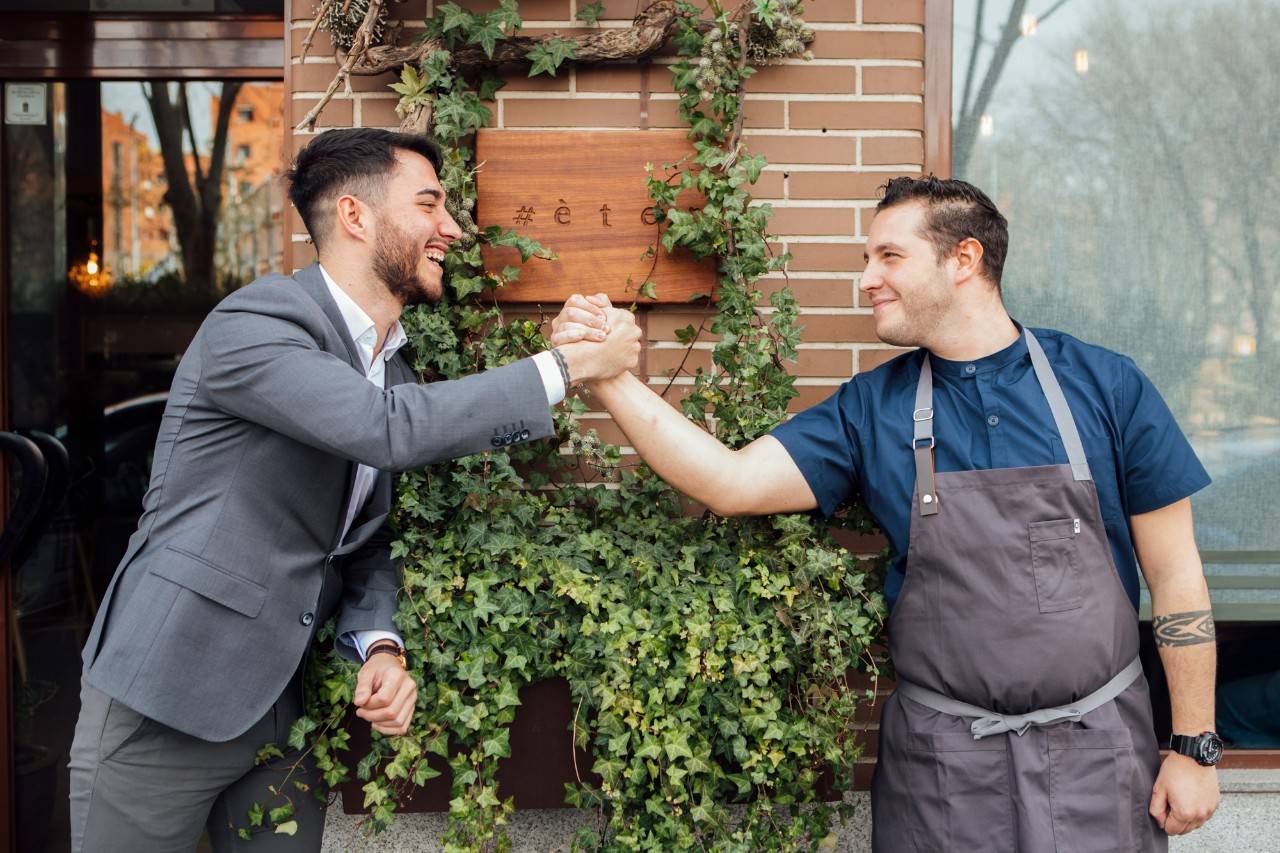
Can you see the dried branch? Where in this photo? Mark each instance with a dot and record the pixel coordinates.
(359, 48)
(645, 36)
(315, 27)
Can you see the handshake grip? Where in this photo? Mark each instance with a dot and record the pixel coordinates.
(596, 340)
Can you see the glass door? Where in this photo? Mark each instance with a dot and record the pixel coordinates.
(130, 210)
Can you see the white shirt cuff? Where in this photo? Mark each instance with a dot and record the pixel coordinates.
(364, 639)
(552, 381)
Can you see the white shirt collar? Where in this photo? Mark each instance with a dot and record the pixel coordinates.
(361, 326)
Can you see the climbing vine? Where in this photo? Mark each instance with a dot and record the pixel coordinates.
(707, 658)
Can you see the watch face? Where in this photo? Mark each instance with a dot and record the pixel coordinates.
(1209, 748)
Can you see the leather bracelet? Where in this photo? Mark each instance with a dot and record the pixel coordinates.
(384, 648)
(564, 368)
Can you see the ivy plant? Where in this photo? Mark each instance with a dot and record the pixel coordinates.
(708, 658)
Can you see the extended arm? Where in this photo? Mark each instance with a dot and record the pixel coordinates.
(1185, 794)
(760, 478)
(261, 361)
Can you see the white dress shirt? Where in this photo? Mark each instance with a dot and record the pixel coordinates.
(364, 333)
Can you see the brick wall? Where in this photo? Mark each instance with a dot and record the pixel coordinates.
(834, 130)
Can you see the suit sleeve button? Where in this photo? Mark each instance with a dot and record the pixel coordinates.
(524, 435)
(496, 441)
(307, 618)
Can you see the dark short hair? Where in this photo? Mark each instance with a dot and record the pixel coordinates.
(954, 211)
(356, 161)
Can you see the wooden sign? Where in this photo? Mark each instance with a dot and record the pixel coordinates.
(583, 195)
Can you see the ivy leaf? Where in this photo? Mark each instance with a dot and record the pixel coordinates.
(508, 14)
(649, 290)
(549, 55)
(289, 827)
(454, 16)
(298, 732)
(280, 813)
(256, 814)
(590, 13)
(486, 34)
(489, 87)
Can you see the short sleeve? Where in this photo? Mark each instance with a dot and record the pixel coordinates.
(1160, 467)
(821, 443)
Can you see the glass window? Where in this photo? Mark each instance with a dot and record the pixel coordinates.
(114, 263)
(1132, 147)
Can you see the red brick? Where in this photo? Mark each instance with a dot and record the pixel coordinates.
(812, 221)
(336, 113)
(530, 10)
(304, 254)
(517, 82)
(804, 149)
(877, 80)
(313, 76)
(830, 11)
(841, 44)
(832, 363)
(857, 115)
(841, 185)
(379, 112)
(321, 44)
(665, 113)
(826, 257)
(770, 185)
(565, 112)
(892, 150)
(870, 359)
(813, 293)
(845, 328)
(805, 79)
(808, 396)
(621, 78)
(662, 324)
(893, 11)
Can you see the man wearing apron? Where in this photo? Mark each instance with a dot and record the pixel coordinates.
(1014, 473)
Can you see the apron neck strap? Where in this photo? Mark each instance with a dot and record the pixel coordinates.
(1058, 406)
(922, 440)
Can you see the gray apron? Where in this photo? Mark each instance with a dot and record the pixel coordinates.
(1021, 722)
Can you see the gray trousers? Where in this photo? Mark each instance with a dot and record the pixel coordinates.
(138, 786)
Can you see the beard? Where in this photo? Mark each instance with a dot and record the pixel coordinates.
(920, 313)
(396, 259)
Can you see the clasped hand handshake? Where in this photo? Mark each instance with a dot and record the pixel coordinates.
(597, 340)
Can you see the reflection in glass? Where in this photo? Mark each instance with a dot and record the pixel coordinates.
(1132, 147)
(174, 192)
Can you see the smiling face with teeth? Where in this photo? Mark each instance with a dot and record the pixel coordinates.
(413, 232)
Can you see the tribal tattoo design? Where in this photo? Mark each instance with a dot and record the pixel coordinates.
(1184, 629)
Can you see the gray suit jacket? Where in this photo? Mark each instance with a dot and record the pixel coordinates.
(235, 562)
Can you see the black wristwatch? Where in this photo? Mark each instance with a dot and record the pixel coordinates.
(1205, 748)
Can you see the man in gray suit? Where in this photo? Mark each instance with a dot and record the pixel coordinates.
(268, 506)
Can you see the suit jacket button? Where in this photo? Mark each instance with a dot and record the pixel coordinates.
(524, 435)
(307, 618)
(506, 439)
(496, 441)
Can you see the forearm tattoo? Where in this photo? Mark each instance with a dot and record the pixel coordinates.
(1184, 629)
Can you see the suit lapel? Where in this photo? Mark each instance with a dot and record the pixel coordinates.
(312, 281)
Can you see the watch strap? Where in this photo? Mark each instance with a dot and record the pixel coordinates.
(389, 649)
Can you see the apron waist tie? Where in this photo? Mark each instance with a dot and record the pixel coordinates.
(990, 723)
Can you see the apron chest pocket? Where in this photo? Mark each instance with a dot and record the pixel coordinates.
(1093, 797)
(1055, 564)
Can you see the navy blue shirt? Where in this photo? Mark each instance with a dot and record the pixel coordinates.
(992, 413)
